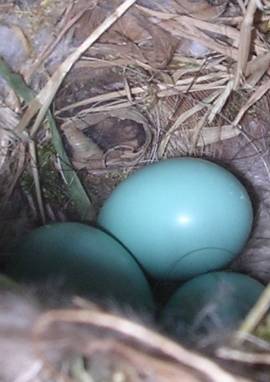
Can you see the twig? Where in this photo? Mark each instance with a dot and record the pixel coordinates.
(138, 333)
(245, 357)
(197, 130)
(220, 101)
(242, 5)
(30, 374)
(163, 90)
(254, 317)
(19, 171)
(52, 44)
(34, 165)
(78, 372)
(245, 41)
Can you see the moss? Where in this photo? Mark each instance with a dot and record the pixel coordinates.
(51, 182)
(53, 189)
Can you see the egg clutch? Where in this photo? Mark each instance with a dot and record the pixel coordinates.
(176, 220)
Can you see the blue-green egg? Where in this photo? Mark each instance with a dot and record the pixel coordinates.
(180, 217)
(209, 304)
(82, 258)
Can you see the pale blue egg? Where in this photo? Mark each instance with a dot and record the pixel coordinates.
(180, 217)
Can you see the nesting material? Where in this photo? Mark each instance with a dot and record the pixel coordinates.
(38, 340)
(165, 79)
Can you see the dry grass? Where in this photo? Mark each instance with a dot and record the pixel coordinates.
(163, 359)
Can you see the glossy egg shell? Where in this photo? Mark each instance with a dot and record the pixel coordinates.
(85, 259)
(209, 303)
(180, 217)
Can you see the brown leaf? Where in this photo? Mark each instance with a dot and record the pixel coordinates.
(132, 36)
(202, 8)
(83, 148)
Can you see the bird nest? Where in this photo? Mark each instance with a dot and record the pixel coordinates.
(90, 91)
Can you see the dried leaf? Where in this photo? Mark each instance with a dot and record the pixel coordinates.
(202, 9)
(124, 148)
(131, 37)
(46, 95)
(257, 68)
(83, 148)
